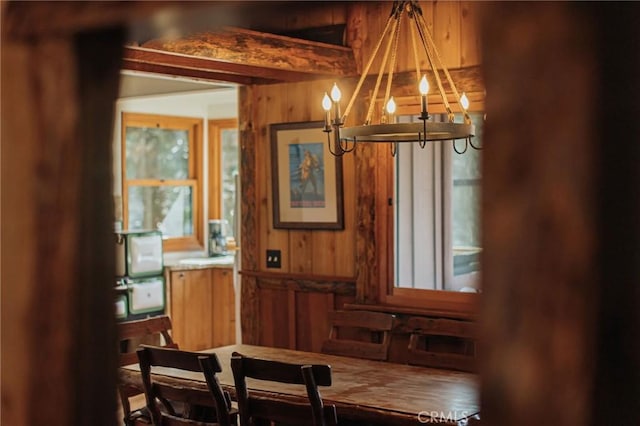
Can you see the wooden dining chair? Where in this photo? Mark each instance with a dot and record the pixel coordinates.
(174, 405)
(359, 334)
(130, 334)
(255, 411)
(442, 343)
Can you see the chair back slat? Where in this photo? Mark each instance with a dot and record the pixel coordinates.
(459, 352)
(163, 399)
(376, 326)
(183, 360)
(288, 412)
(377, 321)
(144, 327)
(356, 349)
(284, 372)
(132, 357)
(443, 327)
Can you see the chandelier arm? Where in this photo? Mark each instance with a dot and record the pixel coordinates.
(445, 70)
(345, 148)
(365, 72)
(465, 147)
(381, 73)
(479, 148)
(336, 144)
(392, 61)
(431, 52)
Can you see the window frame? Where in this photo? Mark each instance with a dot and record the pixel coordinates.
(440, 302)
(215, 129)
(194, 127)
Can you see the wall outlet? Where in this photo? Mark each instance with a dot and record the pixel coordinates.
(273, 259)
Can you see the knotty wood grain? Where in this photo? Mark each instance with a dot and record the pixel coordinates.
(261, 54)
(249, 219)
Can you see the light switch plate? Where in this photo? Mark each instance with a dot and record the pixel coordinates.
(273, 259)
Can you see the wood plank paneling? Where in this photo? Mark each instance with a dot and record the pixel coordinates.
(276, 111)
(291, 308)
(329, 13)
(275, 318)
(301, 241)
(470, 53)
(312, 320)
(446, 32)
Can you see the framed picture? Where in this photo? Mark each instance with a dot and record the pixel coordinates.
(307, 178)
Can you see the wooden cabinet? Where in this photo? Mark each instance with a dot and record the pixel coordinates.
(201, 305)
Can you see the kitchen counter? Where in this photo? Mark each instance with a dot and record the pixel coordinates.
(190, 263)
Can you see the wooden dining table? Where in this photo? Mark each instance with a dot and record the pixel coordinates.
(374, 392)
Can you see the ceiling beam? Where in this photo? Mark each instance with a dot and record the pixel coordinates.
(249, 53)
(157, 62)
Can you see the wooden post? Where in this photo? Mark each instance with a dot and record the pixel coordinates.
(58, 259)
(560, 269)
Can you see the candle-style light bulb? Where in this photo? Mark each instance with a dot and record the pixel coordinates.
(391, 106)
(424, 86)
(391, 110)
(424, 89)
(335, 97)
(335, 93)
(326, 105)
(464, 101)
(326, 102)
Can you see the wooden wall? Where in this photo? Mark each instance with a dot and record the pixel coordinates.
(346, 258)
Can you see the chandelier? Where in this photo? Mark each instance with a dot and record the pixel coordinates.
(388, 130)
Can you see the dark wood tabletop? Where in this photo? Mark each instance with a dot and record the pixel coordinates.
(377, 392)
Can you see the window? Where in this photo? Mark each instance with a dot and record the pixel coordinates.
(161, 180)
(437, 212)
(429, 224)
(224, 166)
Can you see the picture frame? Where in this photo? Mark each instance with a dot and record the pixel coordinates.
(306, 178)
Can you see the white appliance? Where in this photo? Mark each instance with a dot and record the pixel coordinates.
(138, 253)
(140, 288)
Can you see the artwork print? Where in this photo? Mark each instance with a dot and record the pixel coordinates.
(306, 175)
(306, 178)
